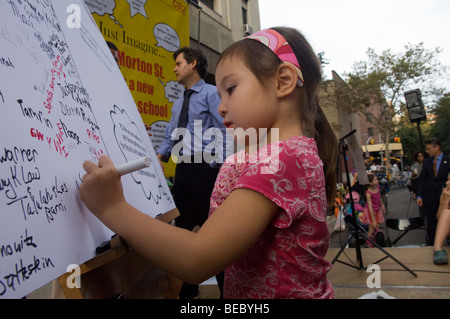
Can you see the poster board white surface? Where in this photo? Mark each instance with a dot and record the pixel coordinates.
(63, 101)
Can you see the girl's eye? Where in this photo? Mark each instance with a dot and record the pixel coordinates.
(230, 90)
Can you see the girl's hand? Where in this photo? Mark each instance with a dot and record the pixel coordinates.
(373, 221)
(101, 188)
(375, 224)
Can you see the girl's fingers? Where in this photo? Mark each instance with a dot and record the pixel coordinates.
(88, 166)
(105, 161)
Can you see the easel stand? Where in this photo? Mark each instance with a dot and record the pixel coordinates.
(120, 272)
(358, 232)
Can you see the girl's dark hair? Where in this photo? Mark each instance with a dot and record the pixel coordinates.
(370, 177)
(263, 63)
(192, 54)
(425, 154)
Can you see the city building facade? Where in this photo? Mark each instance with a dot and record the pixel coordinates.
(215, 24)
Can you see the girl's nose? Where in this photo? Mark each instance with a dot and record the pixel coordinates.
(222, 110)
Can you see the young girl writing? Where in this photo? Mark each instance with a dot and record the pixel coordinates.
(267, 225)
(374, 209)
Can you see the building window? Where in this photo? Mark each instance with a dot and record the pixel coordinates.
(370, 131)
(244, 12)
(247, 27)
(244, 15)
(209, 3)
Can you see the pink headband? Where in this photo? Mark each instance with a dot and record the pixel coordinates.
(278, 44)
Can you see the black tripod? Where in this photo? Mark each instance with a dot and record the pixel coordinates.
(358, 232)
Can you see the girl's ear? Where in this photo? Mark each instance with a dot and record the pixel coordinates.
(286, 79)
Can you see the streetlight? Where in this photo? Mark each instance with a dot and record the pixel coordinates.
(367, 142)
(416, 110)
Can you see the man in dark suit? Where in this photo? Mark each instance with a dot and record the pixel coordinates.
(431, 181)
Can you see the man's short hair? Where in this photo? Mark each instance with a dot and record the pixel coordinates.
(112, 46)
(433, 141)
(192, 54)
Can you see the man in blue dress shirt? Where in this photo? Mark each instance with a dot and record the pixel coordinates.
(202, 149)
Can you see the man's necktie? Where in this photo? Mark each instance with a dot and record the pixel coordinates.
(435, 166)
(183, 119)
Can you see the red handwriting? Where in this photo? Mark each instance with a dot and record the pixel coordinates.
(61, 149)
(53, 143)
(57, 73)
(35, 133)
(93, 136)
(99, 153)
(95, 154)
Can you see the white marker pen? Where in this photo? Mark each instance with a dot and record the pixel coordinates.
(133, 166)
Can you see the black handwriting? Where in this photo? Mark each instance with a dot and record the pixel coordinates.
(23, 273)
(18, 246)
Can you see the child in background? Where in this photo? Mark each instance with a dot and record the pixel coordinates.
(267, 226)
(374, 209)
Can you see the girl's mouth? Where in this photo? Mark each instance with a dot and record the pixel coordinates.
(227, 124)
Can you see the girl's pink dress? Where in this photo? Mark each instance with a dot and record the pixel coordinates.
(376, 205)
(288, 260)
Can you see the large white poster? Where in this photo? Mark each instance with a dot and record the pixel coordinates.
(63, 100)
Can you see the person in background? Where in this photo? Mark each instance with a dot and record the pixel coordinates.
(416, 168)
(431, 181)
(374, 208)
(114, 51)
(195, 172)
(367, 163)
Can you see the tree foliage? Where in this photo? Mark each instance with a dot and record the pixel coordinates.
(391, 74)
(409, 135)
(322, 59)
(440, 128)
(437, 126)
(379, 83)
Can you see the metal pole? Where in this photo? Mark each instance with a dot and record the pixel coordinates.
(199, 25)
(420, 134)
(367, 142)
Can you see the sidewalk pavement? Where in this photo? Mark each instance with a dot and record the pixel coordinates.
(432, 281)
